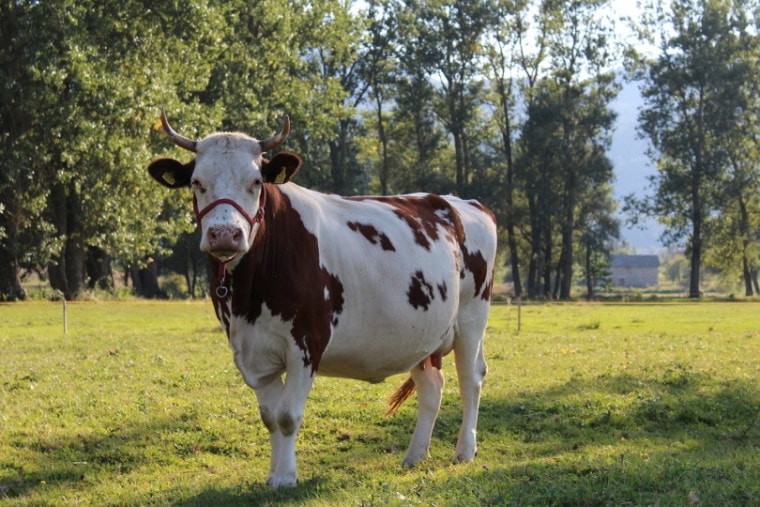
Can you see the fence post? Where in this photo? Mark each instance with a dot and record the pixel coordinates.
(519, 313)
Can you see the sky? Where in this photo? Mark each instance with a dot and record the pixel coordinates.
(632, 167)
(628, 152)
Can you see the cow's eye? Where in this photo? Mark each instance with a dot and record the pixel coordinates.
(198, 186)
(256, 184)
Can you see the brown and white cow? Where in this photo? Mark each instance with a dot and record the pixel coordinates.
(359, 287)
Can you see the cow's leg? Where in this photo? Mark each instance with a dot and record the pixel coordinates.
(285, 415)
(471, 370)
(428, 380)
(268, 397)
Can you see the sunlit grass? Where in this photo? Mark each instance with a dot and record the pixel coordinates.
(140, 404)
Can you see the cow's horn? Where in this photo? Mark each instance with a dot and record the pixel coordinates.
(181, 141)
(274, 142)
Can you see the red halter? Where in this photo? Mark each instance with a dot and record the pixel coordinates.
(221, 290)
(257, 218)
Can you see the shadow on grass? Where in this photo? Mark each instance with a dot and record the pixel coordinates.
(669, 437)
(659, 408)
(257, 494)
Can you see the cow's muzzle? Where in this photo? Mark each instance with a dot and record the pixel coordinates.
(227, 241)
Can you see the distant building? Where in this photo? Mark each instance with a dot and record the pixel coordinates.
(634, 270)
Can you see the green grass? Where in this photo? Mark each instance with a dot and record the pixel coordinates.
(140, 404)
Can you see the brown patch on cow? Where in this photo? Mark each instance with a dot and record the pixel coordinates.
(442, 290)
(486, 296)
(222, 310)
(436, 361)
(476, 264)
(420, 292)
(372, 235)
(282, 270)
(424, 215)
(483, 209)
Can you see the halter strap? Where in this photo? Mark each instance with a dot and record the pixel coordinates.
(257, 218)
(222, 291)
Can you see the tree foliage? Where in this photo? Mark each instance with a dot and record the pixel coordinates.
(700, 113)
(507, 101)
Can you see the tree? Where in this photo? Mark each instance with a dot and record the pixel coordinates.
(336, 57)
(736, 230)
(565, 137)
(448, 38)
(581, 68)
(401, 136)
(381, 72)
(502, 43)
(390, 96)
(695, 94)
(27, 105)
(537, 177)
(93, 74)
(596, 238)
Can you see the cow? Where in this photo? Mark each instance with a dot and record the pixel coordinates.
(309, 283)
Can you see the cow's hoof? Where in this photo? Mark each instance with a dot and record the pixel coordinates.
(412, 459)
(407, 463)
(464, 457)
(282, 481)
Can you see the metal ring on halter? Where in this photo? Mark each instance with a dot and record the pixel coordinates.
(222, 292)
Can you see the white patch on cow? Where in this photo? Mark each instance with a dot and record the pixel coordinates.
(444, 214)
(227, 166)
(260, 351)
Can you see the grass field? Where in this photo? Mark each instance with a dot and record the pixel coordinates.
(140, 404)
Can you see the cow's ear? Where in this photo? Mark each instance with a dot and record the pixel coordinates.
(171, 173)
(281, 168)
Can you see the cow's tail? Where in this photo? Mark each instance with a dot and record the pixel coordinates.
(398, 398)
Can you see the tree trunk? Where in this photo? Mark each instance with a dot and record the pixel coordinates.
(338, 159)
(747, 275)
(67, 269)
(145, 281)
(745, 234)
(546, 261)
(565, 267)
(10, 283)
(534, 269)
(189, 280)
(509, 190)
(696, 243)
(98, 268)
(384, 165)
(589, 275)
(568, 225)
(459, 160)
(695, 259)
(557, 278)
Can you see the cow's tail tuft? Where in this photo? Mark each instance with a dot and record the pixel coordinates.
(398, 398)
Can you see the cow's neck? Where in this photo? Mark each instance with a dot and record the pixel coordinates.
(259, 271)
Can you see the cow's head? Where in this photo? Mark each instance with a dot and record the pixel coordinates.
(227, 176)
